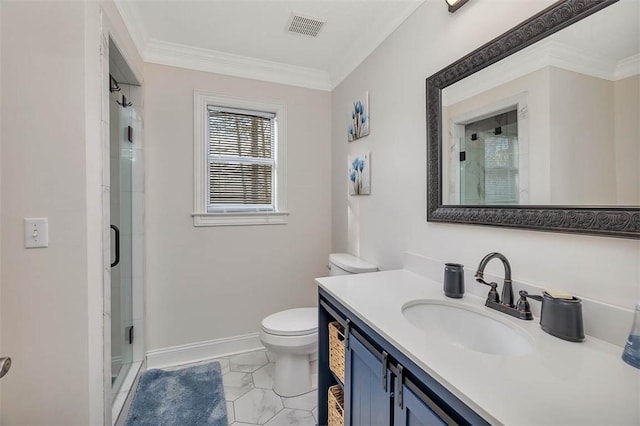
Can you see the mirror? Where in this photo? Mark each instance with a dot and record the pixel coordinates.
(540, 127)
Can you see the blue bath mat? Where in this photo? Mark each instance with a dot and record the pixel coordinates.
(192, 396)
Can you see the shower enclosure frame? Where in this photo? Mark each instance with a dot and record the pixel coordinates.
(115, 402)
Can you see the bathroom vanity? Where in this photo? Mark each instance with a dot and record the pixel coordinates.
(381, 385)
(414, 356)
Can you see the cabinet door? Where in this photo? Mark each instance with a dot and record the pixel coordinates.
(367, 398)
(413, 411)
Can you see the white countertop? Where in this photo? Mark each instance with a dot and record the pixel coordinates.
(558, 383)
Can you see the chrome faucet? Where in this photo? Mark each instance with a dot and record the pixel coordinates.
(493, 299)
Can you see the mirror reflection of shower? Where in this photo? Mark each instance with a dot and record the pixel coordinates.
(489, 161)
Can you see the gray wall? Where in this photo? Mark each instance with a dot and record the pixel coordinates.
(208, 283)
(52, 298)
(627, 137)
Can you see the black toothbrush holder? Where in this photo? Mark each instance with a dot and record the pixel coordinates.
(454, 280)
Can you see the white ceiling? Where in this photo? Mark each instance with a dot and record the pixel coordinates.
(249, 38)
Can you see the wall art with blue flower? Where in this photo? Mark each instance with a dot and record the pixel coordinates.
(360, 175)
(359, 118)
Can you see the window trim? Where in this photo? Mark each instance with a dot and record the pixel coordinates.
(202, 100)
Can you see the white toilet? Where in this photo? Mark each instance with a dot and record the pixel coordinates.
(293, 334)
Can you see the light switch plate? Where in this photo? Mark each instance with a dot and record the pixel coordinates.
(36, 232)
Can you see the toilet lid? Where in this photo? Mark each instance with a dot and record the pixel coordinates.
(292, 322)
(351, 263)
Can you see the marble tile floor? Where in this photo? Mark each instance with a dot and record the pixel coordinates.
(248, 388)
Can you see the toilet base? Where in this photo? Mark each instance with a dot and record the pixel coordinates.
(294, 354)
(292, 375)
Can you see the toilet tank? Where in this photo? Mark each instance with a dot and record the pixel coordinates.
(344, 263)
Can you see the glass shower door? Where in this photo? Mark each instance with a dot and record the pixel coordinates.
(121, 219)
(489, 170)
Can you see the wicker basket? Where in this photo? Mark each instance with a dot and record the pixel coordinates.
(336, 406)
(336, 349)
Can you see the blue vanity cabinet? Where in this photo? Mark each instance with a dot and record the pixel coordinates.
(408, 395)
(412, 410)
(367, 387)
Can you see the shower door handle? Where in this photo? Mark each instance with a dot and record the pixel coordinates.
(117, 233)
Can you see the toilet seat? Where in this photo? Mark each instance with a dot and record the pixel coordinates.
(292, 322)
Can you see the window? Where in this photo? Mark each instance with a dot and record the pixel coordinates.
(239, 161)
(501, 169)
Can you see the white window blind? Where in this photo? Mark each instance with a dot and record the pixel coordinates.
(241, 160)
(501, 170)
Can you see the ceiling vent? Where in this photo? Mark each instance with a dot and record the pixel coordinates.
(305, 25)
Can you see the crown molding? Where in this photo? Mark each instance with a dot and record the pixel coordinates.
(571, 59)
(368, 41)
(628, 67)
(542, 54)
(196, 58)
(183, 56)
(200, 59)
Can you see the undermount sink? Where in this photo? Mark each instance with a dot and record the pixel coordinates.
(467, 327)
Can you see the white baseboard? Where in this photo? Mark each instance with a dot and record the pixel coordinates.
(194, 352)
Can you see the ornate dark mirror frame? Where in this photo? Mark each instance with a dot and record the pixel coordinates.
(598, 220)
